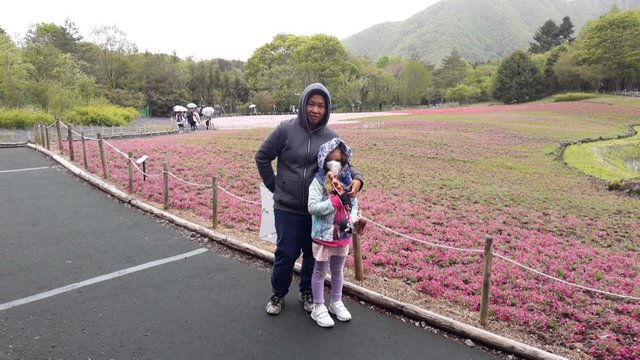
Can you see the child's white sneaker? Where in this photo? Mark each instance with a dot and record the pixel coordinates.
(321, 316)
(339, 310)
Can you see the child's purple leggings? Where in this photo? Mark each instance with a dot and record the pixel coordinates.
(317, 279)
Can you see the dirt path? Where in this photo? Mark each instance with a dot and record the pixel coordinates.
(247, 122)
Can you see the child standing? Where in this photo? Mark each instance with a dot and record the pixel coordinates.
(333, 213)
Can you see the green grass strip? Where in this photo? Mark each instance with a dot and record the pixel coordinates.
(606, 159)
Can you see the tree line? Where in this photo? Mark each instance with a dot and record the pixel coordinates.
(53, 68)
(604, 57)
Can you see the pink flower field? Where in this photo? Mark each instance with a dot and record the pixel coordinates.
(453, 177)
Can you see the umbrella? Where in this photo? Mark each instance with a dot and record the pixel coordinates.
(208, 111)
(252, 106)
(191, 105)
(178, 108)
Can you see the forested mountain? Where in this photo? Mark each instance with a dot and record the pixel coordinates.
(479, 30)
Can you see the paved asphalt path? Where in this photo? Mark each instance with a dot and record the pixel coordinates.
(56, 230)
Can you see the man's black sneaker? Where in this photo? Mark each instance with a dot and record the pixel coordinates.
(275, 304)
(306, 298)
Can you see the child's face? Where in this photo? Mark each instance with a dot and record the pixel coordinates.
(336, 155)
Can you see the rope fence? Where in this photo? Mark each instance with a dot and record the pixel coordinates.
(422, 241)
(477, 251)
(144, 173)
(42, 138)
(566, 282)
(189, 183)
(238, 197)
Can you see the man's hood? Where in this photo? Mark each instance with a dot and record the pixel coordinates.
(315, 88)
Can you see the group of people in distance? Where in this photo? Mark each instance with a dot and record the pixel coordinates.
(193, 117)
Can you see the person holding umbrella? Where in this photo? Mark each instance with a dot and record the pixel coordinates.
(294, 143)
(207, 114)
(192, 116)
(179, 117)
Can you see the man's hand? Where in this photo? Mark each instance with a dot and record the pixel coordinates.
(355, 188)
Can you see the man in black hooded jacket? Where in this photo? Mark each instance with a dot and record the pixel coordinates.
(295, 143)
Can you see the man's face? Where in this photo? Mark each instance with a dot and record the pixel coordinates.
(315, 109)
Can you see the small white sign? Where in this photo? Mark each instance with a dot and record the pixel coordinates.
(142, 159)
(267, 221)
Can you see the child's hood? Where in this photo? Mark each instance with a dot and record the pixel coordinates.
(326, 148)
(329, 146)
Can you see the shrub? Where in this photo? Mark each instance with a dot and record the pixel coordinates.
(22, 119)
(518, 79)
(100, 115)
(573, 96)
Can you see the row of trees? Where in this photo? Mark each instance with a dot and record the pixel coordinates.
(605, 56)
(53, 68)
(278, 70)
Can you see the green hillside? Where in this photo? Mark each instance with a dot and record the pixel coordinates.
(479, 29)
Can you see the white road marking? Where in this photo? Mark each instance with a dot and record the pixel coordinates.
(98, 279)
(27, 169)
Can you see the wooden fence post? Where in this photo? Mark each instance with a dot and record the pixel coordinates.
(105, 169)
(46, 132)
(165, 185)
(130, 161)
(486, 281)
(70, 138)
(84, 152)
(36, 133)
(42, 138)
(214, 202)
(59, 135)
(357, 256)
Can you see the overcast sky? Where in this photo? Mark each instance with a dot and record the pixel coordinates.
(229, 29)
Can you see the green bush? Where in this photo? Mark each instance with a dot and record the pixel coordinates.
(22, 119)
(573, 96)
(100, 115)
(518, 79)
